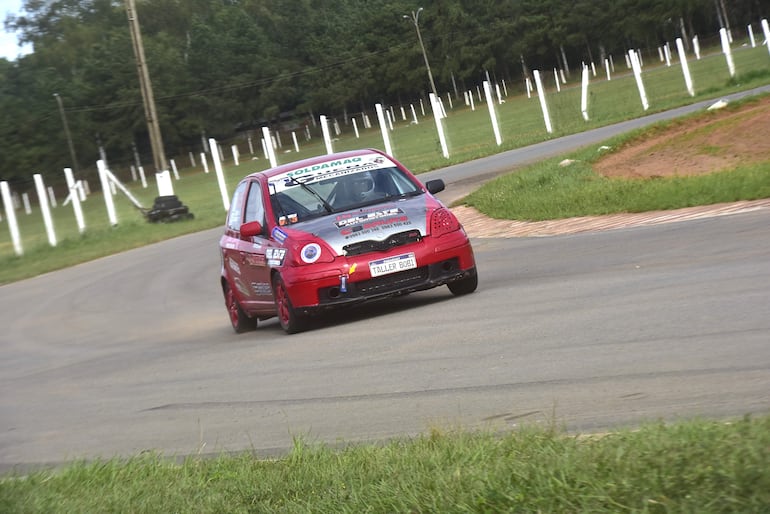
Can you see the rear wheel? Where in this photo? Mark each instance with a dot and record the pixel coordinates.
(465, 285)
(238, 318)
(291, 321)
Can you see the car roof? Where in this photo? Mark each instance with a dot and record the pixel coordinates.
(283, 168)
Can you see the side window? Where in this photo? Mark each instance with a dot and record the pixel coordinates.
(235, 216)
(255, 209)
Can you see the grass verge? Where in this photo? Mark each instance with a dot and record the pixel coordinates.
(547, 190)
(693, 466)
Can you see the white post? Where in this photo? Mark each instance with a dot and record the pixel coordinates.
(528, 84)
(133, 173)
(766, 31)
(636, 65)
(327, 138)
(264, 148)
(220, 174)
(294, 140)
(584, 94)
(473, 104)
(422, 107)
(492, 114)
(108, 200)
(696, 47)
(556, 79)
(51, 196)
(390, 120)
(439, 127)
(685, 67)
(607, 68)
(27, 205)
(403, 113)
(192, 159)
(727, 51)
(173, 168)
(543, 105)
(414, 114)
(143, 177)
(164, 184)
(667, 51)
(268, 147)
(234, 150)
(751, 37)
(383, 128)
(75, 198)
(593, 68)
(42, 197)
(499, 96)
(204, 162)
(355, 127)
(660, 53)
(10, 213)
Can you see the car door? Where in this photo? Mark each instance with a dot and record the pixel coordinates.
(254, 266)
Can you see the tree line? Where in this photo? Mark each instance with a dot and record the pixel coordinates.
(221, 67)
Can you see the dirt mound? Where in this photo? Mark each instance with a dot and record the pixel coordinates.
(722, 139)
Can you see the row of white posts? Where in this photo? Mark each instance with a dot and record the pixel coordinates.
(385, 118)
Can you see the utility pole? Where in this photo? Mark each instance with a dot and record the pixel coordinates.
(156, 141)
(74, 158)
(415, 19)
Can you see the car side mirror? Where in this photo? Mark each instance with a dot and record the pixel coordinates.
(251, 229)
(435, 186)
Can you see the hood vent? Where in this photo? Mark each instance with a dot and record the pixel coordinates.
(400, 239)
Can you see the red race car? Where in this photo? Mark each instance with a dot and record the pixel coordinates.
(334, 231)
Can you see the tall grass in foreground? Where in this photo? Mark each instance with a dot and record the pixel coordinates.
(695, 466)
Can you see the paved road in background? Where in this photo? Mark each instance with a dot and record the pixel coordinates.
(593, 331)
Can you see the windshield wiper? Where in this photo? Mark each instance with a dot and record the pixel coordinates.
(312, 192)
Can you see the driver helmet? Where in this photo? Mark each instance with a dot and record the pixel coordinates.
(363, 184)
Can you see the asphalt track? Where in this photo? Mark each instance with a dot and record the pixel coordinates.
(587, 332)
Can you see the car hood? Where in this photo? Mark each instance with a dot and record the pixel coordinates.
(374, 222)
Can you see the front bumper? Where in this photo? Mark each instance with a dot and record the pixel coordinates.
(440, 261)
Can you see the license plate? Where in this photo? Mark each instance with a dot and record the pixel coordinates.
(392, 265)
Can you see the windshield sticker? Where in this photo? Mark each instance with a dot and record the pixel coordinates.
(279, 235)
(328, 170)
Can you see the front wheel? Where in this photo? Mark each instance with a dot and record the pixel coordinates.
(238, 319)
(291, 321)
(465, 285)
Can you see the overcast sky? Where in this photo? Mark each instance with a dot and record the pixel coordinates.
(8, 43)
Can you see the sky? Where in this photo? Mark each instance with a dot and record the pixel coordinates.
(9, 47)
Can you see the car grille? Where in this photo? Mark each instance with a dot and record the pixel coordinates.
(392, 282)
(400, 239)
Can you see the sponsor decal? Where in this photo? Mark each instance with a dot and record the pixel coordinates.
(310, 253)
(352, 269)
(279, 235)
(375, 225)
(275, 256)
(261, 288)
(350, 219)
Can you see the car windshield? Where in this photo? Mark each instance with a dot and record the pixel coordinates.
(298, 198)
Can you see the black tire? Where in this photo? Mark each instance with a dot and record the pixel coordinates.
(291, 321)
(239, 320)
(465, 285)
